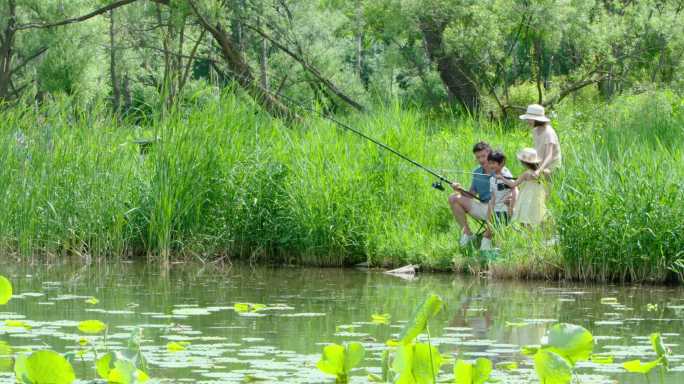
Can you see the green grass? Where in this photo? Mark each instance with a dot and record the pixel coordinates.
(227, 180)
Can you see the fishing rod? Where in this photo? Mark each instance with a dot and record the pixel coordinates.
(440, 178)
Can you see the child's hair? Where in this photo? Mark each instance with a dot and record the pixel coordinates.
(481, 146)
(539, 123)
(531, 166)
(497, 157)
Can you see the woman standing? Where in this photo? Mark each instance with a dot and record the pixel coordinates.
(545, 140)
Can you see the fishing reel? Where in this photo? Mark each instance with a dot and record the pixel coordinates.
(438, 185)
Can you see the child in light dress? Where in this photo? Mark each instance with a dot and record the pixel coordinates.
(530, 206)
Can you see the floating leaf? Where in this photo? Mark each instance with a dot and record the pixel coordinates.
(516, 324)
(602, 359)
(373, 378)
(5, 290)
(92, 300)
(635, 366)
(609, 300)
(92, 326)
(381, 318)
(421, 316)
(248, 307)
(659, 348)
(552, 368)
(571, 342)
(17, 324)
(177, 346)
(48, 367)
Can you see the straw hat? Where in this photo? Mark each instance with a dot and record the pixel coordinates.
(529, 155)
(535, 112)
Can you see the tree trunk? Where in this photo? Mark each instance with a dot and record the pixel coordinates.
(239, 67)
(128, 100)
(6, 51)
(263, 62)
(359, 40)
(451, 68)
(538, 62)
(116, 89)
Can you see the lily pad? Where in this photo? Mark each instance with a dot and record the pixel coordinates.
(49, 367)
(92, 326)
(570, 341)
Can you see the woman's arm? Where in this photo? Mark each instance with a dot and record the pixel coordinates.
(514, 196)
(546, 160)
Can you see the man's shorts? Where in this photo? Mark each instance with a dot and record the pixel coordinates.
(478, 209)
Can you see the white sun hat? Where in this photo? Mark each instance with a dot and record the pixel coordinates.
(535, 112)
(529, 155)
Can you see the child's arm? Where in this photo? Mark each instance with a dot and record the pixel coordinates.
(513, 183)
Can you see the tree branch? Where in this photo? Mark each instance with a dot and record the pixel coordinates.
(28, 59)
(309, 68)
(78, 19)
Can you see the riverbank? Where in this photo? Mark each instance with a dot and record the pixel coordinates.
(225, 180)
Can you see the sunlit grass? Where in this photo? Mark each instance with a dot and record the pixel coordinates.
(225, 179)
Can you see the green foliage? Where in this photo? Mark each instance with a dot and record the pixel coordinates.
(43, 367)
(115, 368)
(635, 366)
(339, 360)
(5, 290)
(420, 318)
(572, 342)
(552, 368)
(660, 349)
(469, 373)
(567, 344)
(416, 364)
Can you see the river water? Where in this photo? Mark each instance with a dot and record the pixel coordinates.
(308, 308)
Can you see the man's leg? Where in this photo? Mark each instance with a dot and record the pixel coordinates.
(460, 205)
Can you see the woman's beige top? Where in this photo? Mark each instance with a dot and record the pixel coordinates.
(542, 137)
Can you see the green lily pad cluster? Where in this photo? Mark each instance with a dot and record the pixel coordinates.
(339, 360)
(50, 367)
(406, 361)
(636, 366)
(567, 344)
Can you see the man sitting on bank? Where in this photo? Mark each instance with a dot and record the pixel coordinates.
(462, 204)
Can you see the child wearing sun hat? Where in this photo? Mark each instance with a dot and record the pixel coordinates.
(530, 206)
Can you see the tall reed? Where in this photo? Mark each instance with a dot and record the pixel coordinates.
(225, 179)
